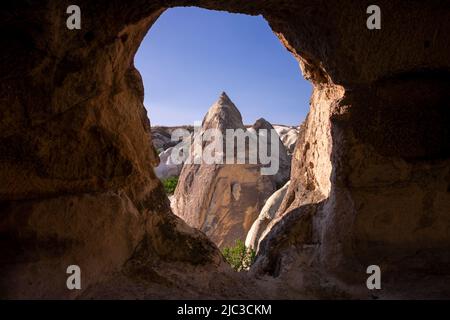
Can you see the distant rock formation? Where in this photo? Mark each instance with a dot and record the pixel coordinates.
(166, 167)
(161, 136)
(223, 200)
(284, 159)
(163, 143)
(288, 136)
(223, 115)
(266, 215)
(370, 179)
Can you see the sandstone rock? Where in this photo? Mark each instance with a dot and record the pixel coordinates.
(222, 200)
(167, 168)
(161, 139)
(288, 135)
(162, 136)
(267, 213)
(370, 176)
(284, 159)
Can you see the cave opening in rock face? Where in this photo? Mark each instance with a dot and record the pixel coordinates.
(186, 59)
(370, 173)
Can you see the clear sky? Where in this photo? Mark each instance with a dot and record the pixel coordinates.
(191, 55)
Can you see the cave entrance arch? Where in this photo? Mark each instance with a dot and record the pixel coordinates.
(75, 152)
(75, 145)
(331, 59)
(228, 218)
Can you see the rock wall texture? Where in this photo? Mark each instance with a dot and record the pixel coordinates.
(265, 216)
(288, 136)
(370, 176)
(167, 168)
(162, 136)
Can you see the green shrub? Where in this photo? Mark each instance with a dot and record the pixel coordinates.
(239, 257)
(170, 184)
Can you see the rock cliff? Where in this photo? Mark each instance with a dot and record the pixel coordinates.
(223, 200)
(370, 179)
(270, 208)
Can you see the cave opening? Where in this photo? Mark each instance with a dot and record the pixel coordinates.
(191, 57)
(369, 180)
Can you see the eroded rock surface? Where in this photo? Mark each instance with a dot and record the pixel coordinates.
(370, 176)
(288, 136)
(267, 213)
(223, 200)
(167, 167)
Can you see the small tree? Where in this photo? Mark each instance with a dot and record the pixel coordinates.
(170, 184)
(238, 256)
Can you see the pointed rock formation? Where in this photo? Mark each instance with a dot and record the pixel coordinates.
(371, 170)
(284, 159)
(223, 115)
(222, 200)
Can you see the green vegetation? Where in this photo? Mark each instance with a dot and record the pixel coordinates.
(170, 184)
(239, 257)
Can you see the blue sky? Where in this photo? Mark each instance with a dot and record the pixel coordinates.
(191, 55)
